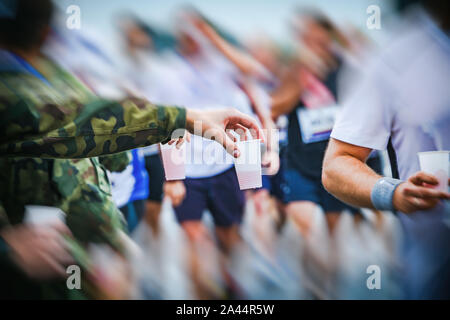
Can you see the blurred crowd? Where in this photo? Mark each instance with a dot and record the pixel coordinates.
(203, 237)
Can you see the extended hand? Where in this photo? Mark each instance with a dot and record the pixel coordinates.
(39, 250)
(176, 191)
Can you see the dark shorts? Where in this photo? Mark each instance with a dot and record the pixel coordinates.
(301, 188)
(156, 179)
(219, 194)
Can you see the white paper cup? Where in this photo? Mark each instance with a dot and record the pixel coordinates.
(248, 165)
(43, 215)
(437, 164)
(174, 161)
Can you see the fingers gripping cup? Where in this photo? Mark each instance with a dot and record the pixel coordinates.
(437, 164)
(43, 215)
(174, 161)
(248, 165)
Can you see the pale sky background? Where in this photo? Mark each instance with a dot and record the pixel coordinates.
(243, 18)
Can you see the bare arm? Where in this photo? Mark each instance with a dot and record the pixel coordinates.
(348, 178)
(345, 174)
(286, 96)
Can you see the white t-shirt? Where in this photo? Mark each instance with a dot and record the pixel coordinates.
(405, 96)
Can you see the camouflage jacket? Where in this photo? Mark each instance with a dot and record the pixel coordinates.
(57, 118)
(79, 187)
(49, 114)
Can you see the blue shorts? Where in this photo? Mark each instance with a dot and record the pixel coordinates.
(301, 188)
(219, 194)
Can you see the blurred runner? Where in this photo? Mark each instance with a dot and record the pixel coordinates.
(97, 70)
(309, 96)
(60, 124)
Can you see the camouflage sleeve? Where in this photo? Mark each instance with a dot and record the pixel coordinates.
(116, 162)
(75, 130)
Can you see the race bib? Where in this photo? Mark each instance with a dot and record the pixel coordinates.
(316, 124)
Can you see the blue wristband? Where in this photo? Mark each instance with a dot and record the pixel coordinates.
(3, 246)
(383, 192)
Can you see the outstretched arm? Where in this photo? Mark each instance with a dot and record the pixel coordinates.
(245, 63)
(74, 130)
(346, 175)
